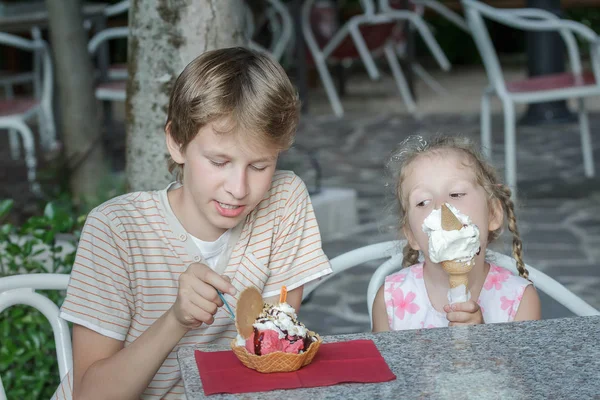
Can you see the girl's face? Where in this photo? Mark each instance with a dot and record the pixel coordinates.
(445, 176)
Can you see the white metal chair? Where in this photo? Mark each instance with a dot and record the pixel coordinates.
(541, 281)
(15, 112)
(575, 84)
(112, 89)
(360, 38)
(20, 289)
(281, 27)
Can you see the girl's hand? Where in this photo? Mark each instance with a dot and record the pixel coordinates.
(467, 313)
(197, 299)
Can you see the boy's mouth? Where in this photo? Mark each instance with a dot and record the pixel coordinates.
(229, 210)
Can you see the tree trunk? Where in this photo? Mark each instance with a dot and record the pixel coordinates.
(79, 122)
(164, 37)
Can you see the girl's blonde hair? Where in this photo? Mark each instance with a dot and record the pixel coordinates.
(416, 146)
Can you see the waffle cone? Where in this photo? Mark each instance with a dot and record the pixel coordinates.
(277, 361)
(458, 272)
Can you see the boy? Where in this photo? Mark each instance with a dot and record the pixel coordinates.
(148, 264)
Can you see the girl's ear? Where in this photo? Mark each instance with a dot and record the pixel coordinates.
(173, 147)
(408, 234)
(496, 218)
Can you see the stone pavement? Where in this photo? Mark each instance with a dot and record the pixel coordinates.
(558, 213)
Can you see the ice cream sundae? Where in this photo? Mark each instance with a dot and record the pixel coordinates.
(453, 242)
(270, 338)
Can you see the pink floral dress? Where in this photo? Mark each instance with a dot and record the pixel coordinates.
(408, 305)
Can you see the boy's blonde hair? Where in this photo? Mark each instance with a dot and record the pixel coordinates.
(416, 146)
(247, 88)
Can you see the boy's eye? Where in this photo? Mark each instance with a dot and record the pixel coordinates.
(218, 163)
(258, 167)
(457, 195)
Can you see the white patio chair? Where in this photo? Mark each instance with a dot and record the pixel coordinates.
(112, 89)
(15, 112)
(361, 37)
(281, 27)
(576, 84)
(20, 289)
(541, 281)
(419, 6)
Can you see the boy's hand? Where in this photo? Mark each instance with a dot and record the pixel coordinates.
(467, 313)
(197, 299)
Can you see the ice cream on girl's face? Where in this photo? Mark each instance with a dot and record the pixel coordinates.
(458, 245)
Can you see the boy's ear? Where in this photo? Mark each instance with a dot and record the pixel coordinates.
(173, 147)
(496, 218)
(408, 234)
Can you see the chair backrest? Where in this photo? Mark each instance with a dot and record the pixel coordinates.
(117, 8)
(121, 32)
(358, 257)
(43, 79)
(20, 289)
(541, 281)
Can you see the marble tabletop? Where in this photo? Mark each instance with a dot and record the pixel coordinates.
(554, 358)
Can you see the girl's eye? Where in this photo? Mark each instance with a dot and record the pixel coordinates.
(423, 203)
(218, 164)
(457, 195)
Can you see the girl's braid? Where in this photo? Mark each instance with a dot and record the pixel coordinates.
(503, 192)
(411, 256)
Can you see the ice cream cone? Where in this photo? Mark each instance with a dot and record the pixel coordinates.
(457, 271)
(277, 361)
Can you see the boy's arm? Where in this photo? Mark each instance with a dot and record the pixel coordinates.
(530, 307)
(380, 318)
(103, 368)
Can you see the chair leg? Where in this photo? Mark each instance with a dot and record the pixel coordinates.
(510, 147)
(428, 79)
(392, 60)
(29, 147)
(334, 99)
(486, 125)
(365, 54)
(586, 142)
(15, 146)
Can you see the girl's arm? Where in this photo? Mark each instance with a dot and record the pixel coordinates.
(104, 368)
(380, 317)
(530, 307)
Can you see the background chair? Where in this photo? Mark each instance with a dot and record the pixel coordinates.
(15, 112)
(110, 89)
(20, 289)
(280, 26)
(575, 84)
(541, 281)
(361, 37)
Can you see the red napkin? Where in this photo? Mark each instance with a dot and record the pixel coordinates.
(353, 361)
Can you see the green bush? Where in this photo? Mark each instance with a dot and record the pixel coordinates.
(28, 364)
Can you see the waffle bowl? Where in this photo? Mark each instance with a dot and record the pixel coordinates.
(277, 361)
(249, 307)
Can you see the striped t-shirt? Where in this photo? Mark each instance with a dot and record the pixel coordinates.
(133, 249)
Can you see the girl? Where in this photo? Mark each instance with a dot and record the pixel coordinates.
(427, 175)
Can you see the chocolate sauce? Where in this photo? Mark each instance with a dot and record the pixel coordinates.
(258, 341)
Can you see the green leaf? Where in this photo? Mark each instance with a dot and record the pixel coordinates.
(5, 207)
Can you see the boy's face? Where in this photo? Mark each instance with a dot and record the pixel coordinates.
(434, 179)
(225, 176)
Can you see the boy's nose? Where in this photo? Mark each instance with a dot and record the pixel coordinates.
(237, 184)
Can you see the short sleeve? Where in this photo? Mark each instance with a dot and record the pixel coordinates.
(296, 254)
(99, 295)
